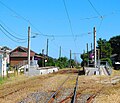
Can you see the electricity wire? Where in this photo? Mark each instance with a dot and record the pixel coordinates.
(12, 30)
(10, 33)
(42, 34)
(68, 17)
(23, 18)
(14, 11)
(62, 36)
(99, 17)
(99, 27)
(94, 8)
(71, 29)
(11, 38)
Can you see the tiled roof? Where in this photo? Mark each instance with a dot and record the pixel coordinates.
(21, 52)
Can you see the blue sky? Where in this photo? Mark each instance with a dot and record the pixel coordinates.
(49, 17)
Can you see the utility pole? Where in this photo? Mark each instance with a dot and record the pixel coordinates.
(43, 61)
(87, 47)
(60, 52)
(28, 49)
(70, 58)
(94, 31)
(87, 54)
(84, 51)
(4, 60)
(75, 56)
(91, 46)
(47, 48)
(83, 58)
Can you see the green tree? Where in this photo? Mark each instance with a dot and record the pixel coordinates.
(73, 64)
(50, 62)
(85, 59)
(105, 48)
(115, 44)
(62, 62)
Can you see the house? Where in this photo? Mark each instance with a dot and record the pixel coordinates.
(19, 57)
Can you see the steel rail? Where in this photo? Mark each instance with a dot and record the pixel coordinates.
(52, 97)
(91, 98)
(69, 97)
(75, 91)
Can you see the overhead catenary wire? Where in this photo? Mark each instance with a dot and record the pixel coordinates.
(94, 8)
(88, 18)
(99, 15)
(62, 36)
(23, 18)
(11, 38)
(99, 27)
(69, 20)
(10, 33)
(42, 34)
(23, 36)
(102, 18)
(68, 17)
(71, 28)
(26, 20)
(14, 11)
(34, 36)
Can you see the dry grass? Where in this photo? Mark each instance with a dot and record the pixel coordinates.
(116, 73)
(108, 93)
(18, 88)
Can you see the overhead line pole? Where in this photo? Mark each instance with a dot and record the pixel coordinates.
(43, 59)
(47, 48)
(87, 47)
(75, 56)
(28, 49)
(87, 53)
(60, 52)
(94, 31)
(91, 46)
(70, 57)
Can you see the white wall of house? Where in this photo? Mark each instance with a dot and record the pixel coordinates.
(3, 66)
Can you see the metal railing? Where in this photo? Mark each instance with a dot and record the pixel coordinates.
(106, 65)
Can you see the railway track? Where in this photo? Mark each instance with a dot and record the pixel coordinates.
(65, 97)
(54, 95)
(71, 96)
(71, 90)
